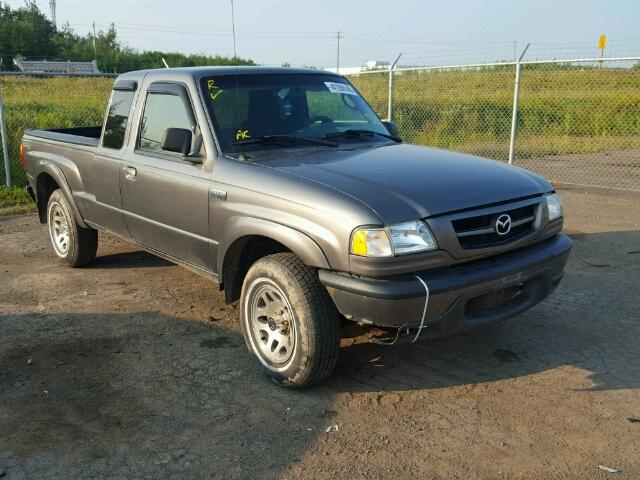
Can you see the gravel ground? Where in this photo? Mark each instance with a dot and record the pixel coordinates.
(611, 169)
(134, 368)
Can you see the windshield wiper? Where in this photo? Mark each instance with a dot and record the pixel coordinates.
(283, 140)
(352, 132)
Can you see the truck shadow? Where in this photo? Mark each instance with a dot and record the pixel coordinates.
(129, 396)
(134, 259)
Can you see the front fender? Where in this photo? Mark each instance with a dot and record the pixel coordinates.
(299, 243)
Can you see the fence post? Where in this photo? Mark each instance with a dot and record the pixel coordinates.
(390, 96)
(514, 114)
(5, 144)
(390, 93)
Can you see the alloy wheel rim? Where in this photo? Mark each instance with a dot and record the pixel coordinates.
(271, 323)
(59, 229)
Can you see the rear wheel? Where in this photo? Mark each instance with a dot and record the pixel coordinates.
(289, 321)
(74, 245)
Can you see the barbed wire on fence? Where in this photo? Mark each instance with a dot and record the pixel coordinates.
(491, 52)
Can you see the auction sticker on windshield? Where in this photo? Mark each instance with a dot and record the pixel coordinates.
(340, 88)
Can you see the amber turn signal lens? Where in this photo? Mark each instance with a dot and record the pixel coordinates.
(23, 160)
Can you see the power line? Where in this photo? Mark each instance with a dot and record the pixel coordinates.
(217, 33)
(293, 35)
(437, 50)
(363, 38)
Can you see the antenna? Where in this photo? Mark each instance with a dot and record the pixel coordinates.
(52, 5)
(233, 31)
(235, 61)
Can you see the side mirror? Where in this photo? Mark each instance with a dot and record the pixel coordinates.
(392, 128)
(177, 140)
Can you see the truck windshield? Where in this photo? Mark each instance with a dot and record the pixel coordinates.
(276, 110)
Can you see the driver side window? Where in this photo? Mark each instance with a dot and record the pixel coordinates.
(161, 111)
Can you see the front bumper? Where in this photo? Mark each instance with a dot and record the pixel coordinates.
(460, 297)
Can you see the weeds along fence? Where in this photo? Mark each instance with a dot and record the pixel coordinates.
(576, 121)
(47, 102)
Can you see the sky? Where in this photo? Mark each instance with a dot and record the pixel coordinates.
(304, 32)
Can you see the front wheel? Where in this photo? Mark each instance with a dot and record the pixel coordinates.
(74, 245)
(289, 321)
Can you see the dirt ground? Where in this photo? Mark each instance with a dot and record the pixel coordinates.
(134, 368)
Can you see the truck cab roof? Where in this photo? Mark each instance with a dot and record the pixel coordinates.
(199, 72)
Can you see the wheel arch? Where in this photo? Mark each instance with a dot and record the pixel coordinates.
(250, 239)
(48, 180)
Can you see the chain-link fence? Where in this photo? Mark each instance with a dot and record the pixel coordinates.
(577, 121)
(47, 102)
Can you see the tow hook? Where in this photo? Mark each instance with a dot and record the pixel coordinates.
(403, 335)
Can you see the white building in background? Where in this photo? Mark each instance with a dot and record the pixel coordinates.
(377, 65)
(56, 66)
(371, 65)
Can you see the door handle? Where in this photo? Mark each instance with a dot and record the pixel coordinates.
(131, 173)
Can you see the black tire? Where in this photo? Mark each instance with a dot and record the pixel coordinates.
(314, 320)
(81, 244)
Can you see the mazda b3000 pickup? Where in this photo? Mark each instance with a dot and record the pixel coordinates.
(284, 187)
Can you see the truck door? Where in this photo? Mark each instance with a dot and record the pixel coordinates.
(165, 194)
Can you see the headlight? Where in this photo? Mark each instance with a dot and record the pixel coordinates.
(398, 239)
(411, 237)
(371, 243)
(554, 206)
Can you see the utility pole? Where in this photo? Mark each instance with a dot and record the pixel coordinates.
(338, 53)
(52, 6)
(95, 50)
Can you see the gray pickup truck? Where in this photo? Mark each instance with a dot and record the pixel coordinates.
(284, 187)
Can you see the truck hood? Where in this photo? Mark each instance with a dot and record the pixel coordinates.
(403, 182)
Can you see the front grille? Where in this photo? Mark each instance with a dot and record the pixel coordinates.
(480, 230)
(493, 301)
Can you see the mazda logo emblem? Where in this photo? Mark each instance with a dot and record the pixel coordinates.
(503, 224)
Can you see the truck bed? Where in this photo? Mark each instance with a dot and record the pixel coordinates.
(88, 136)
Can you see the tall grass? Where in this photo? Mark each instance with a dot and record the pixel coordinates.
(43, 103)
(14, 201)
(562, 110)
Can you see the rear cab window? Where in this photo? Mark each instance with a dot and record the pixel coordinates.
(118, 115)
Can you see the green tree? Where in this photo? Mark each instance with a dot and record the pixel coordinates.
(26, 31)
